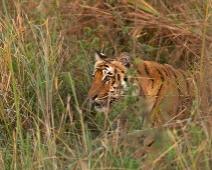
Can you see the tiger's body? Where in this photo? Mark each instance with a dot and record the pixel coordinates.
(166, 89)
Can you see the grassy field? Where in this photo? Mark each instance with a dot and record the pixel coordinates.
(47, 55)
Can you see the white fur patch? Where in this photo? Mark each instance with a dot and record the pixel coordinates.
(112, 89)
(106, 71)
(124, 84)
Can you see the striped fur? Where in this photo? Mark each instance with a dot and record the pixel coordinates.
(166, 89)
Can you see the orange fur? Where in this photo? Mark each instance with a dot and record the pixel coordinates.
(166, 89)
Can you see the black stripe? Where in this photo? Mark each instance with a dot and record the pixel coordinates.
(113, 82)
(146, 69)
(109, 73)
(147, 72)
(161, 85)
(166, 72)
(162, 80)
(119, 78)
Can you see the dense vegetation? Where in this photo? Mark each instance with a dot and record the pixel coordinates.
(47, 50)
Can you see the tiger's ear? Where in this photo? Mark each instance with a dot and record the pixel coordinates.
(125, 58)
(99, 56)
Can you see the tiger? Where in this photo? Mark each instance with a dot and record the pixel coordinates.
(165, 88)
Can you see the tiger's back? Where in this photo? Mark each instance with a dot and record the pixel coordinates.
(169, 91)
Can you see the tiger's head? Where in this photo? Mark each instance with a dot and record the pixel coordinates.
(109, 81)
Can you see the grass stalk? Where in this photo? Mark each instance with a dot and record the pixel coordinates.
(205, 25)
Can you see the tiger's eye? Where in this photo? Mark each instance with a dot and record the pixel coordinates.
(107, 79)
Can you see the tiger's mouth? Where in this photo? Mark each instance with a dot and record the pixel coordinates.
(101, 108)
(104, 106)
(97, 105)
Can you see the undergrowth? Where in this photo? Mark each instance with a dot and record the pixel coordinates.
(47, 49)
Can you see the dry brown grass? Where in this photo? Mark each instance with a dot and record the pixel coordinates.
(173, 29)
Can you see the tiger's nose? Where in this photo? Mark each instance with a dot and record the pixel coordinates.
(93, 97)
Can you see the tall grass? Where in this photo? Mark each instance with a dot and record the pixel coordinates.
(46, 65)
